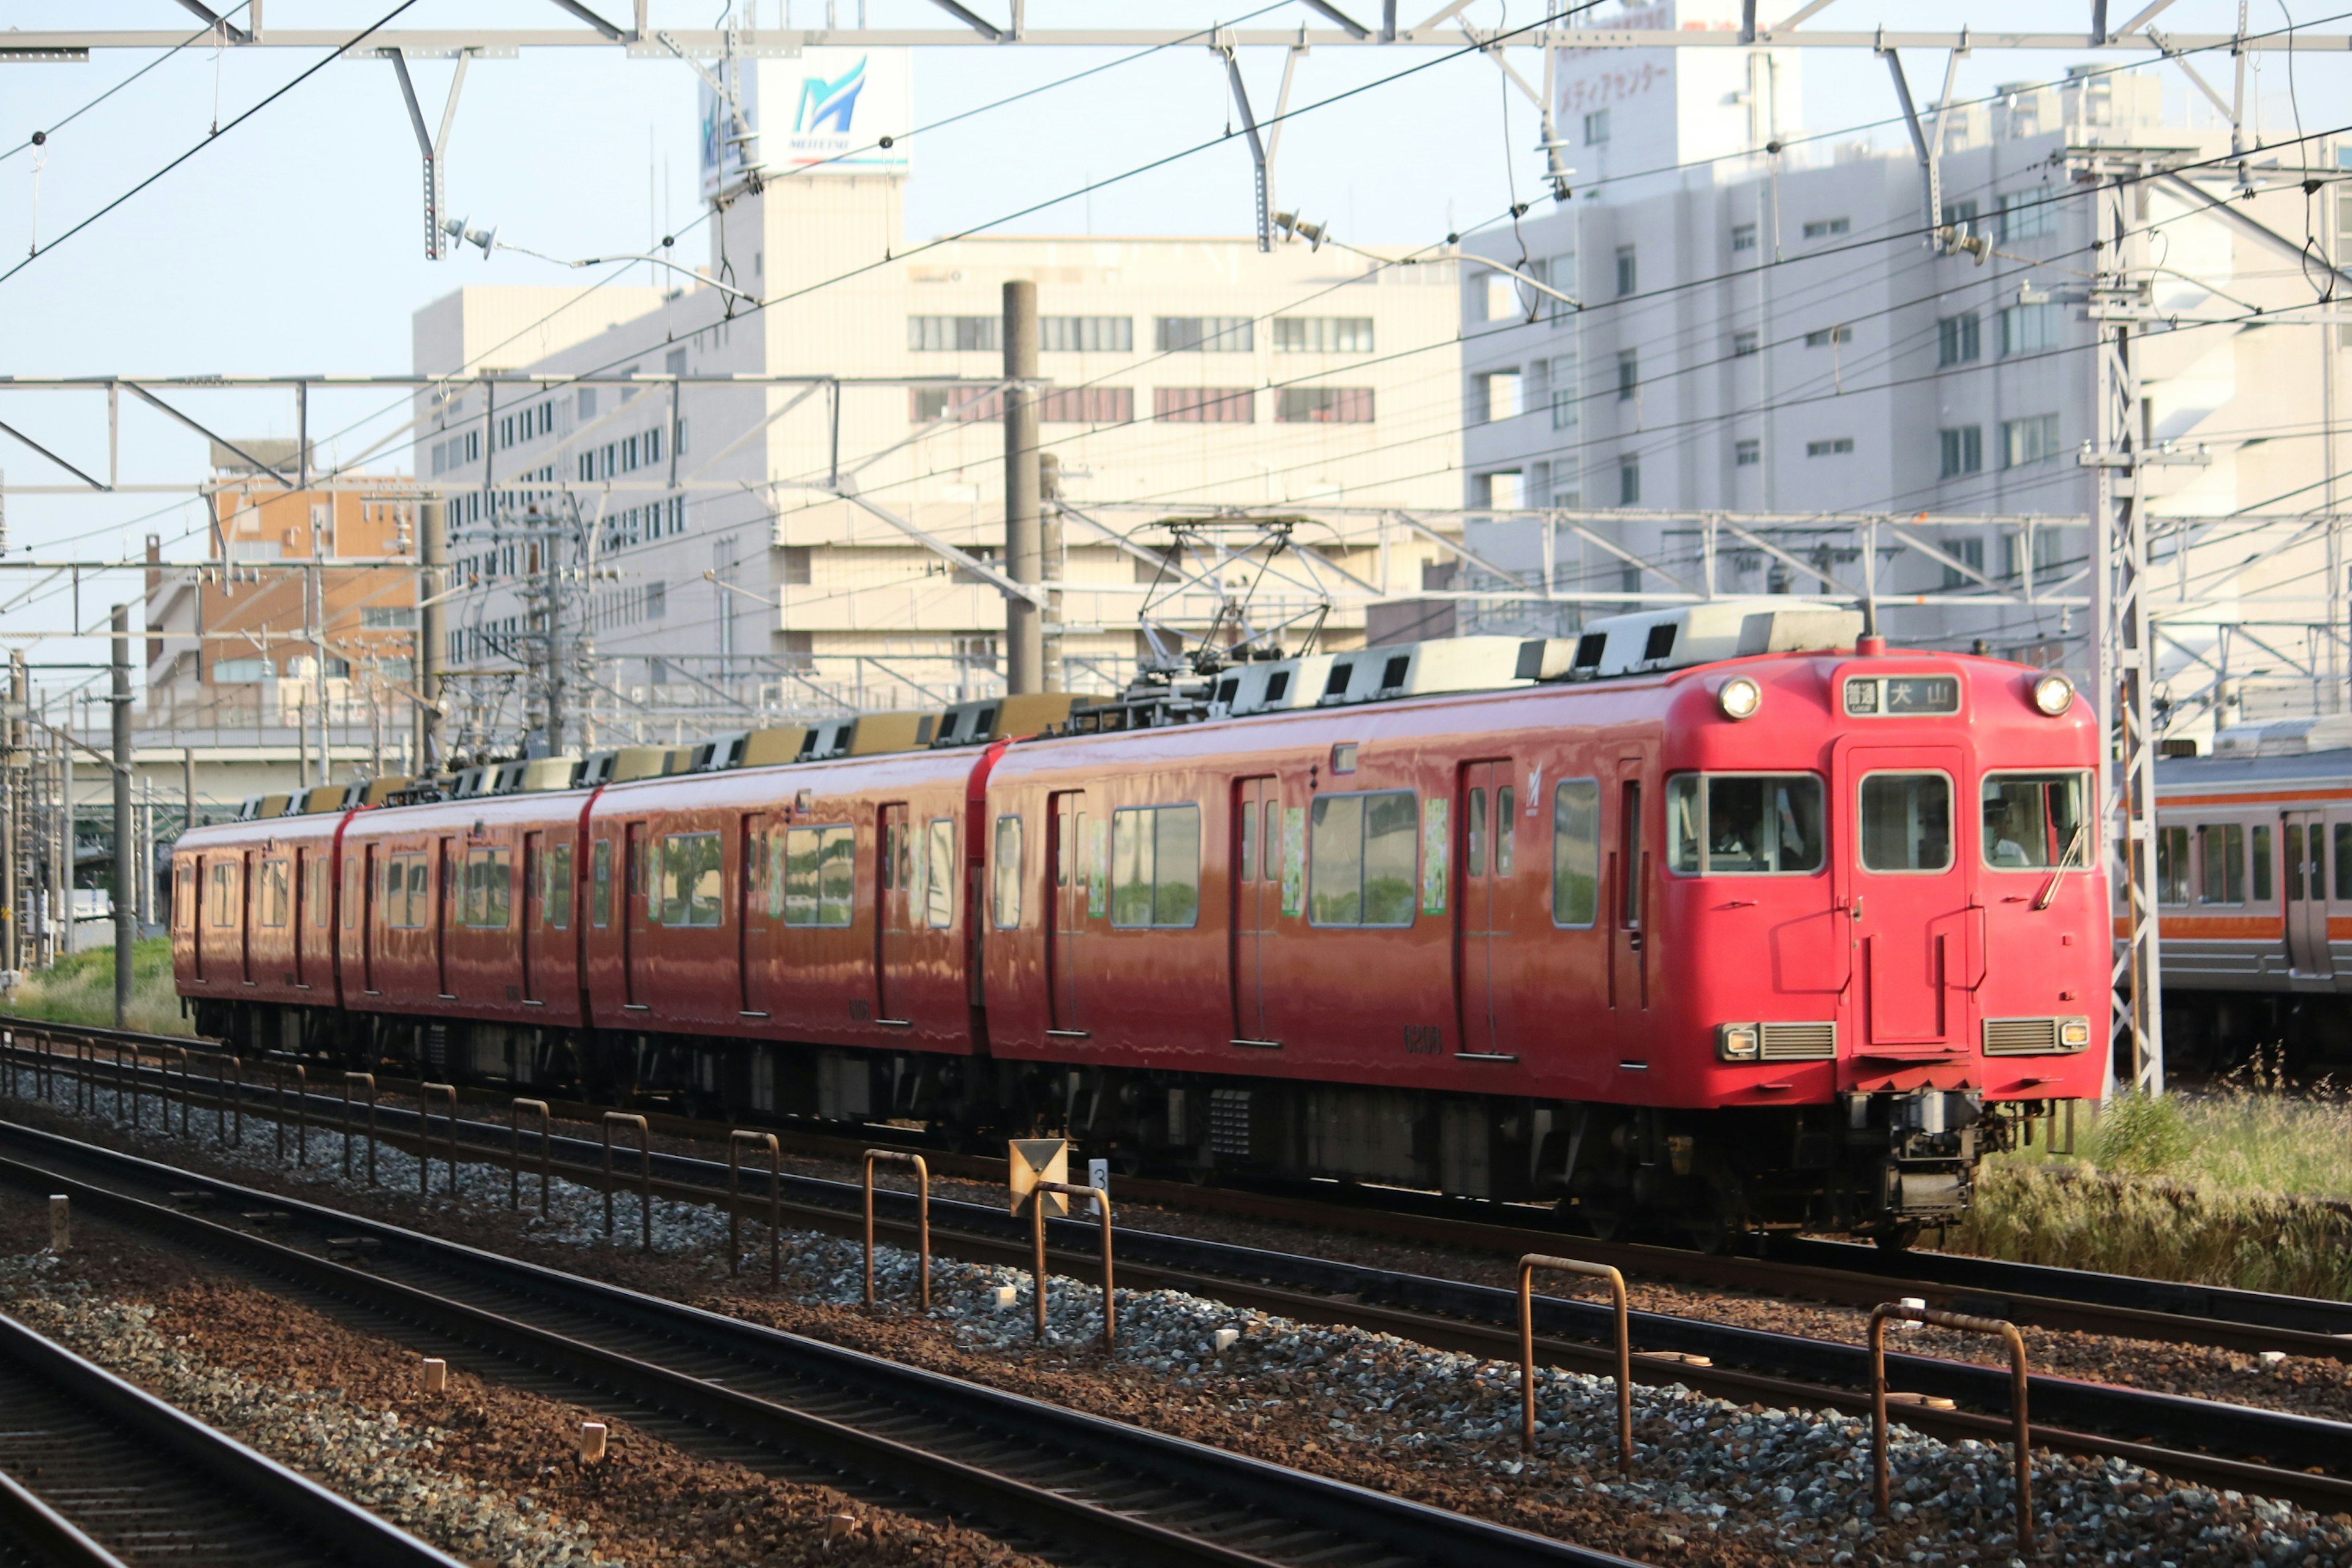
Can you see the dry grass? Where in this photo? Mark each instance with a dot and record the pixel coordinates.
(81, 990)
(2248, 1186)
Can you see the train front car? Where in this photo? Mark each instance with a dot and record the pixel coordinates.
(1886, 926)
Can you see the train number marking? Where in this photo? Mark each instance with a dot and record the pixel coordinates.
(1424, 1039)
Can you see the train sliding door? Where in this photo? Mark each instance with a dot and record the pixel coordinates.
(1065, 915)
(762, 896)
(1487, 809)
(534, 916)
(2306, 895)
(1256, 882)
(635, 878)
(894, 924)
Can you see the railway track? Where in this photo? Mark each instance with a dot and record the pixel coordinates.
(96, 1473)
(1846, 1274)
(2227, 1446)
(1079, 1486)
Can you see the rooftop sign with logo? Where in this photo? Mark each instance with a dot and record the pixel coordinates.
(821, 111)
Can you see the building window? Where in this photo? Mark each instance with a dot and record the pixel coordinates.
(1828, 335)
(1969, 552)
(1596, 128)
(798, 563)
(1628, 274)
(1836, 446)
(1827, 227)
(961, 405)
(1743, 237)
(1963, 450)
(238, 671)
(1629, 481)
(1207, 335)
(1327, 405)
(1087, 406)
(1629, 373)
(1957, 338)
(1203, 405)
(1749, 454)
(1959, 212)
(1323, 334)
(2031, 440)
(1565, 398)
(1742, 344)
(2028, 329)
(953, 334)
(1503, 490)
(1087, 334)
(374, 618)
(2027, 215)
(1498, 395)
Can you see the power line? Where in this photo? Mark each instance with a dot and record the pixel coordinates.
(40, 138)
(322, 64)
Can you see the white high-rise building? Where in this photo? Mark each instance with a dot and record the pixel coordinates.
(1771, 331)
(778, 545)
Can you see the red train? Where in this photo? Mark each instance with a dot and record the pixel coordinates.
(1717, 917)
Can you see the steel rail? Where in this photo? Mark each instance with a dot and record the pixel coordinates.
(2170, 1433)
(2033, 1295)
(113, 1461)
(1149, 1497)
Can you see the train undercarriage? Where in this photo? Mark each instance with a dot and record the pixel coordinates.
(1880, 1165)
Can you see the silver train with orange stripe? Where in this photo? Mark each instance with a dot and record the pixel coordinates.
(2254, 860)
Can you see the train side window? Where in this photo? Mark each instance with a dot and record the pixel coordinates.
(1906, 822)
(940, 878)
(2318, 862)
(2294, 862)
(1271, 865)
(1744, 824)
(2344, 860)
(184, 897)
(1007, 869)
(488, 889)
(691, 893)
(1362, 855)
(321, 891)
(2221, 854)
(224, 900)
(1504, 831)
(1473, 835)
(555, 898)
(1155, 866)
(600, 884)
(420, 892)
(274, 888)
(354, 889)
(1576, 852)
(2260, 858)
(2033, 821)
(1247, 870)
(2172, 865)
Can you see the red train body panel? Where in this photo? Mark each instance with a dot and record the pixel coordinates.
(1596, 940)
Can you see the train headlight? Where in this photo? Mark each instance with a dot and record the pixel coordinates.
(2053, 694)
(1740, 698)
(1736, 1041)
(2074, 1034)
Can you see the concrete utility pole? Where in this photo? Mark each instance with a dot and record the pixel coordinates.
(1057, 558)
(188, 786)
(126, 906)
(16, 835)
(433, 550)
(63, 872)
(1024, 627)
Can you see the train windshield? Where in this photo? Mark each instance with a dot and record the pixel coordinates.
(1744, 824)
(2034, 821)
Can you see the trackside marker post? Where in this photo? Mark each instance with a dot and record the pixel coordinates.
(61, 1222)
(1528, 1267)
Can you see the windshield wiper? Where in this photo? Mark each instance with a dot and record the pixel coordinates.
(2065, 864)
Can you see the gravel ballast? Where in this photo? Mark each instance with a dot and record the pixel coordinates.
(1712, 1481)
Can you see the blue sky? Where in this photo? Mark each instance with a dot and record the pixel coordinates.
(292, 243)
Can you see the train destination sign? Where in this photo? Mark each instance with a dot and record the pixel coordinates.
(1900, 696)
